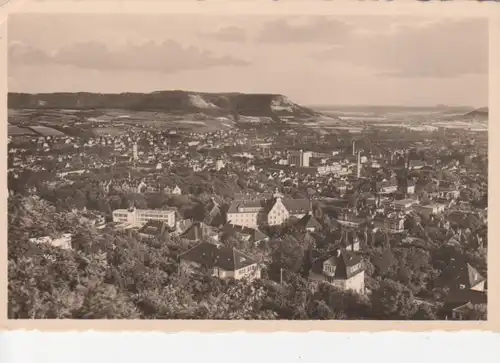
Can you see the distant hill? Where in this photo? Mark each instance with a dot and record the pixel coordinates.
(274, 106)
(479, 114)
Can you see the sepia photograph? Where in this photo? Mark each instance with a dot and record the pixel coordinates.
(247, 167)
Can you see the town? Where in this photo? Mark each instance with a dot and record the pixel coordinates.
(248, 221)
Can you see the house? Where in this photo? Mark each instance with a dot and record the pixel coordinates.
(310, 223)
(448, 193)
(388, 187)
(460, 276)
(246, 213)
(416, 164)
(182, 225)
(246, 234)
(395, 223)
(349, 240)
(341, 187)
(429, 209)
(221, 261)
(64, 241)
(460, 304)
(350, 219)
(177, 191)
(343, 270)
(402, 205)
(154, 229)
(410, 187)
(284, 209)
(214, 217)
(141, 187)
(199, 231)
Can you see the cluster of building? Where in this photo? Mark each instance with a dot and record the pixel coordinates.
(388, 186)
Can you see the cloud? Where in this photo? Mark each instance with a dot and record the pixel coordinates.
(227, 34)
(437, 49)
(314, 30)
(167, 57)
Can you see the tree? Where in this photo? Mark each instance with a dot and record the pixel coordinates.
(288, 256)
(425, 312)
(478, 312)
(104, 301)
(392, 301)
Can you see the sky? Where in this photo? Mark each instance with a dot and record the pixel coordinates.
(314, 60)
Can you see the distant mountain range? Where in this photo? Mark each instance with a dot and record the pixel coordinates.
(274, 106)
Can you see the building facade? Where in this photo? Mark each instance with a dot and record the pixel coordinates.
(139, 217)
(249, 213)
(221, 262)
(299, 158)
(284, 209)
(343, 270)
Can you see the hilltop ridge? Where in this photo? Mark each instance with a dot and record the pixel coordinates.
(274, 106)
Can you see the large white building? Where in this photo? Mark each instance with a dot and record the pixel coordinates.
(286, 208)
(248, 213)
(139, 217)
(299, 158)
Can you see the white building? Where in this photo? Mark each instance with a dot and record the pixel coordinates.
(284, 209)
(245, 213)
(139, 217)
(429, 209)
(219, 164)
(299, 158)
(135, 153)
(344, 270)
(329, 169)
(63, 242)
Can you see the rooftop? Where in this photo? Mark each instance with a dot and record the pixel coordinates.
(211, 255)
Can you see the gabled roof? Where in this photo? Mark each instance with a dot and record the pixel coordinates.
(184, 224)
(460, 275)
(197, 231)
(297, 206)
(235, 205)
(349, 237)
(153, 227)
(309, 221)
(245, 197)
(255, 234)
(342, 262)
(460, 298)
(210, 255)
(258, 235)
(214, 216)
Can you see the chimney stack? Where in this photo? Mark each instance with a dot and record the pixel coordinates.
(353, 147)
(359, 164)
